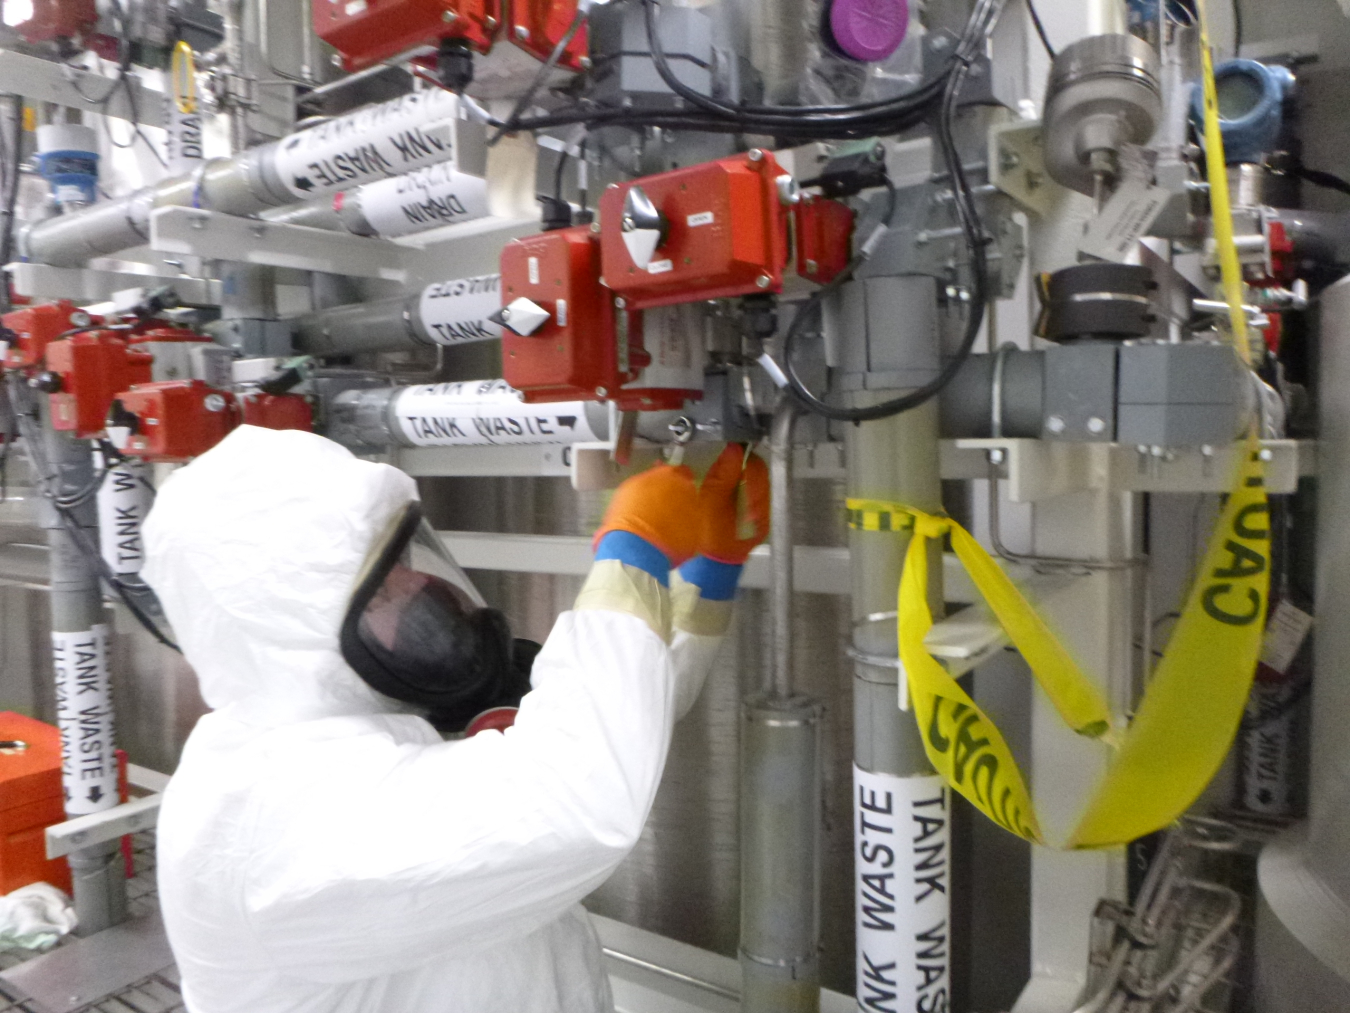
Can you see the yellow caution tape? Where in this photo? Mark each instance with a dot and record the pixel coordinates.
(1188, 716)
(183, 76)
(1221, 209)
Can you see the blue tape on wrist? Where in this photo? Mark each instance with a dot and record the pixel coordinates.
(632, 550)
(716, 581)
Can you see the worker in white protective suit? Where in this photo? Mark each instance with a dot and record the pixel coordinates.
(321, 847)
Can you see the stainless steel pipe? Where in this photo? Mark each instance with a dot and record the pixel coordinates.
(80, 649)
(780, 792)
(373, 143)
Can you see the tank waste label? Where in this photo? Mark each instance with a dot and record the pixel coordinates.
(84, 714)
(902, 861)
(1180, 731)
(486, 412)
(453, 312)
(370, 144)
(124, 498)
(425, 199)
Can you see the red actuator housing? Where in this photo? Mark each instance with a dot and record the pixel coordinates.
(539, 25)
(824, 233)
(93, 367)
(366, 32)
(276, 411)
(173, 420)
(726, 233)
(49, 20)
(176, 420)
(588, 347)
(34, 327)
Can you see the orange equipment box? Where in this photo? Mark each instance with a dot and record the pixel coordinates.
(31, 800)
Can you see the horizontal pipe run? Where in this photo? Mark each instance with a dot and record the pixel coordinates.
(373, 143)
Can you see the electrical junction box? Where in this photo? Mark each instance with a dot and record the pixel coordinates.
(1185, 394)
(31, 800)
(367, 32)
(172, 350)
(586, 346)
(711, 231)
(92, 368)
(624, 71)
(823, 229)
(34, 327)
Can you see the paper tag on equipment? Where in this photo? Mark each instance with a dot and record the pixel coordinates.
(1129, 213)
(1285, 632)
(902, 841)
(84, 714)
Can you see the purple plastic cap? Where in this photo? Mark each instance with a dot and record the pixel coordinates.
(869, 30)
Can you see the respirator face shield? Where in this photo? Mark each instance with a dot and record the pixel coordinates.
(417, 630)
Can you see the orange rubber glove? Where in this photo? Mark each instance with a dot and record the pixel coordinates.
(660, 506)
(733, 506)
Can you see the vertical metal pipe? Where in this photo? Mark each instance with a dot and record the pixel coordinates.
(80, 645)
(780, 544)
(902, 857)
(780, 793)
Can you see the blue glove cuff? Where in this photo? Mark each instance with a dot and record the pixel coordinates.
(716, 581)
(632, 550)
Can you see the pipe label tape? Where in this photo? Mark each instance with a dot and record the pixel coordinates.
(485, 413)
(370, 144)
(455, 312)
(902, 861)
(1182, 727)
(84, 714)
(425, 199)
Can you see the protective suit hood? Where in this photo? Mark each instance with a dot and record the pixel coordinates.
(253, 550)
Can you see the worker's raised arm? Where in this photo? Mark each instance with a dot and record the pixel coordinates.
(403, 847)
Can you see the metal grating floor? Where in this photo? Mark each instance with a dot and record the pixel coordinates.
(157, 994)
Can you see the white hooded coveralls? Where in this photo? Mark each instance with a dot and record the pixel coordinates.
(320, 851)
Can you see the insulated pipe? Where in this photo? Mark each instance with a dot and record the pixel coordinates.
(780, 793)
(1303, 919)
(372, 143)
(444, 313)
(902, 856)
(80, 655)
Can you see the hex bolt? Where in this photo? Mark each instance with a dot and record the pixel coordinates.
(620, 303)
(763, 281)
(755, 154)
(522, 32)
(448, 15)
(1096, 426)
(601, 391)
(1055, 424)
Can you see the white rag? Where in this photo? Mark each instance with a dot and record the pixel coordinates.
(34, 917)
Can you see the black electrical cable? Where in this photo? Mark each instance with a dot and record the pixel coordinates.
(546, 68)
(124, 590)
(1040, 28)
(971, 227)
(14, 157)
(1326, 180)
(1237, 26)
